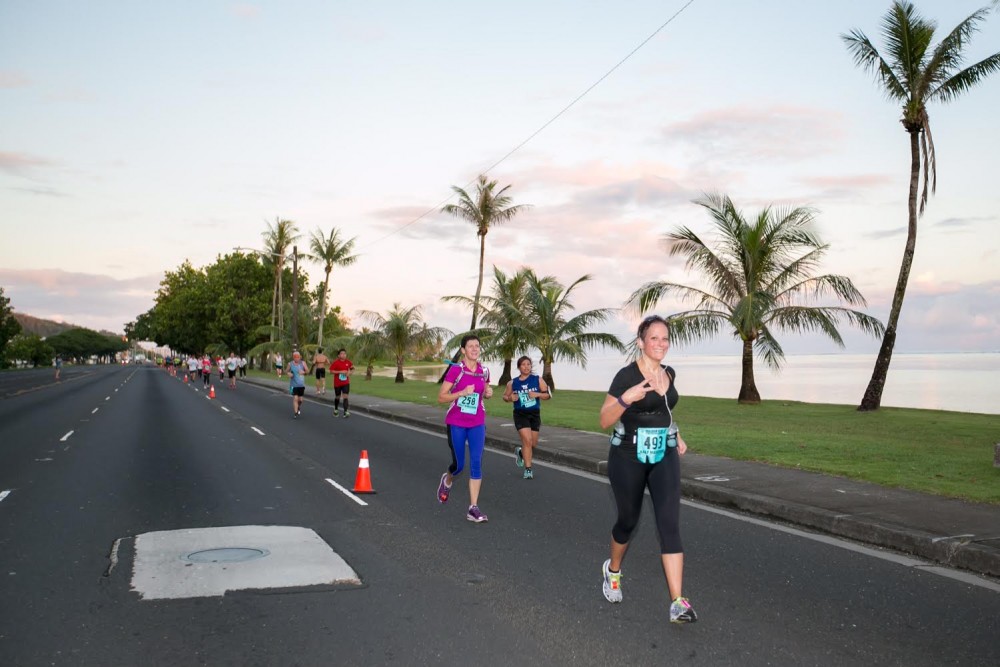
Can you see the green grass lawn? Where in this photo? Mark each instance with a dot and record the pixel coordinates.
(944, 453)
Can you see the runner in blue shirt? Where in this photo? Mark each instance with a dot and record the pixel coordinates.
(524, 392)
(297, 371)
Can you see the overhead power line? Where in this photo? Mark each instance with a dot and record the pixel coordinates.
(544, 125)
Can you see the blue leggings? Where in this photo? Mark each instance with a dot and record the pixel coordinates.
(476, 437)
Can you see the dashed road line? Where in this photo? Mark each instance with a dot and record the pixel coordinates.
(94, 410)
(224, 408)
(4, 494)
(348, 493)
(254, 428)
(65, 437)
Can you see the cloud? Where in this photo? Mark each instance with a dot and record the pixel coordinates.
(963, 224)
(848, 188)
(9, 79)
(885, 233)
(419, 222)
(91, 300)
(42, 192)
(21, 163)
(775, 133)
(244, 10)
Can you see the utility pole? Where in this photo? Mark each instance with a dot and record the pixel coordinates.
(295, 297)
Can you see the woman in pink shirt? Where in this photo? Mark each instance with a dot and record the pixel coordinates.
(465, 386)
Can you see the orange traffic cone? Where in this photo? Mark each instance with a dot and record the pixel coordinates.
(185, 378)
(363, 480)
(211, 391)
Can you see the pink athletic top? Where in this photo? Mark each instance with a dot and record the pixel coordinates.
(467, 411)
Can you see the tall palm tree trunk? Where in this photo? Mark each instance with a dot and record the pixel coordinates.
(506, 375)
(281, 297)
(748, 387)
(479, 285)
(872, 399)
(547, 373)
(274, 305)
(475, 305)
(322, 308)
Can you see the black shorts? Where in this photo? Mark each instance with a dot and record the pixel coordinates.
(231, 373)
(298, 391)
(532, 420)
(320, 373)
(343, 389)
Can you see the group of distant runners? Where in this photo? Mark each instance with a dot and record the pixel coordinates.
(204, 367)
(340, 368)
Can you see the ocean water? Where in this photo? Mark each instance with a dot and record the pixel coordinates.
(961, 382)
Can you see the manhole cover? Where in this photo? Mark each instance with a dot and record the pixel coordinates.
(226, 555)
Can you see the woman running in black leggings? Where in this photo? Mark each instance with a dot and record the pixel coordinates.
(642, 396)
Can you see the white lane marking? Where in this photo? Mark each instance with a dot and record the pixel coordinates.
(116, 390)
(348, 493)
(254, 428)
(94, 410)
(224, 408)
(924, 566)
(107, 398)
(906, 561)
(65, 437)
(4, 494)
(952, 537)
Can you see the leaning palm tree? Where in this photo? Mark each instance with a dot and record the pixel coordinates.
(761, 274)
(489, 208)
(330, 251)
(914, 74)
(402, 331)
(554, 331)
(277, 239)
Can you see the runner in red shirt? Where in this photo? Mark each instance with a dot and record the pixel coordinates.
(341, 369)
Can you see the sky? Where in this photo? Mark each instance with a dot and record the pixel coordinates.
(135, 136)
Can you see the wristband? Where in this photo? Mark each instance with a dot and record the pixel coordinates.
(623, 403)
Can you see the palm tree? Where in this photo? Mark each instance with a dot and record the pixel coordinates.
(491, 207)
(550, 329)
(277, 239)
(402, 331)
(330, 251)
(366, 347)
(760, 272)
(503, 319)
(914, 74)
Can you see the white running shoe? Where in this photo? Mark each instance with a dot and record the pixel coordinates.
(612, 583)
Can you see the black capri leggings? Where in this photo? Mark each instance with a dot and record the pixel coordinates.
(629, 479)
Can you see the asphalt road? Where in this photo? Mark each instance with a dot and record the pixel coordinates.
(111, 453)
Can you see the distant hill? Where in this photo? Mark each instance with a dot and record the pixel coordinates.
(46, 328)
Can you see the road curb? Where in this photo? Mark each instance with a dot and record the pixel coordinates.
(958, 552)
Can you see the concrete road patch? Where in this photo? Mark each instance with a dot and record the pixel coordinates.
(207, 562)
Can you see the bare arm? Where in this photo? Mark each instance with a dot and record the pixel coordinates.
(445, 395)
(508, 392)
(544, 394)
